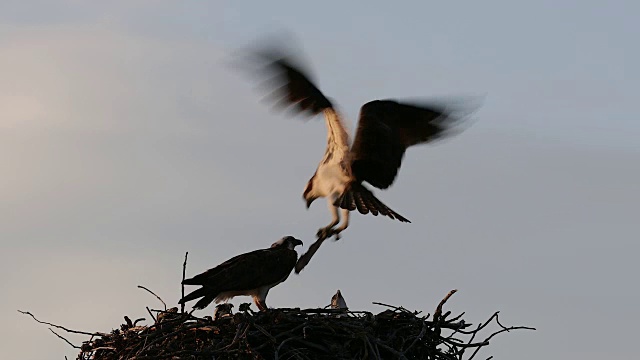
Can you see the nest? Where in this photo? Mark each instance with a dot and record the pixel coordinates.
(395, 333)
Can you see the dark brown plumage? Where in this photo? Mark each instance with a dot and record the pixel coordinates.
(386, 129)
(253, 273)
(298, 89)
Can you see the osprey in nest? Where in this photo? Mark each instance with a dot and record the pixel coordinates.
(338, 302)
(386, 129)
(253, 274)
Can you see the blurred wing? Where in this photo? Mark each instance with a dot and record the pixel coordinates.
(386, 129)
(293, 86)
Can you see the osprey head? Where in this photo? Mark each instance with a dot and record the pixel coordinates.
(287, 241)
(338, 302)
(309, 194)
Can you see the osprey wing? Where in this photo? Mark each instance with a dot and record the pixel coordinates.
(244, 272)
(386, 129)
(293, 85)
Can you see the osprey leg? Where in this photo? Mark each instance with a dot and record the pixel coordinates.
(344, 225)
(262, 306)
(327, 231)
(261, 299)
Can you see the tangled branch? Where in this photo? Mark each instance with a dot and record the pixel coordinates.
(395, 333)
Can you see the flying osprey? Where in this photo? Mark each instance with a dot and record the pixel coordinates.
(386, 129)
(252, 274)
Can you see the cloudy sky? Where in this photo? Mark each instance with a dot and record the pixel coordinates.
(126, 140)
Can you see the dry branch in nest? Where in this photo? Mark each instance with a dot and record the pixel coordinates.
(395, 333)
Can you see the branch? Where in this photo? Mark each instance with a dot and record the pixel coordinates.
(67, 341)
(61, 327)
(154, 294)
(499, 331)
(419, 337)
(438, 313)
(397, 308)
(152, 317)
(184, 271)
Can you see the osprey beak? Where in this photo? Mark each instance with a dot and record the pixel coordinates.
(298, 242)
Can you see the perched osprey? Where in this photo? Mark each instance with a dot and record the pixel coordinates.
(252, 274)
(386, 129)
(338, 302)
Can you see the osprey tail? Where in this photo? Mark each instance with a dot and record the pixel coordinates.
(356, 196)
(206, 294)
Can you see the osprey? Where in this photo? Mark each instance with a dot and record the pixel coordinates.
(252, 274)
(222, 311)
(338, 302)
(386, 128)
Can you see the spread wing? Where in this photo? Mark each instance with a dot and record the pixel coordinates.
(295, 89)
(293, 85)
(244, 272)
(386, 129)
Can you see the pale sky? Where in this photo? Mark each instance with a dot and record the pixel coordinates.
(126, 140)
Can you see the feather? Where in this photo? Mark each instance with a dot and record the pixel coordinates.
(294, 86)
(359, 192)
(244, 274)
(386, 129)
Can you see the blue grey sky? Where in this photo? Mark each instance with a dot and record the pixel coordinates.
(126, 140)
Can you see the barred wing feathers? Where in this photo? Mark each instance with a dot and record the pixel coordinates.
(357, 196)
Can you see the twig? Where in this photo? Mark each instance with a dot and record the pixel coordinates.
(265, 332)
(438, 313)
(397, 308)
(167, 335)
(282, 344)
(154, 294)
(419, 337)
(152, 317)
(370, 347)
(184, 272)
(67, 341)
(498, 332)
(60, 327)
(456, 318)
(395, 352)
(469, 345)
(240, 333)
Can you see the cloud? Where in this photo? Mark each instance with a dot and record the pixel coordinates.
(103, 128)
(92, 78)
(120, 150)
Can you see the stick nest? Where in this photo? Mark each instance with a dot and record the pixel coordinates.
(395, 333)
